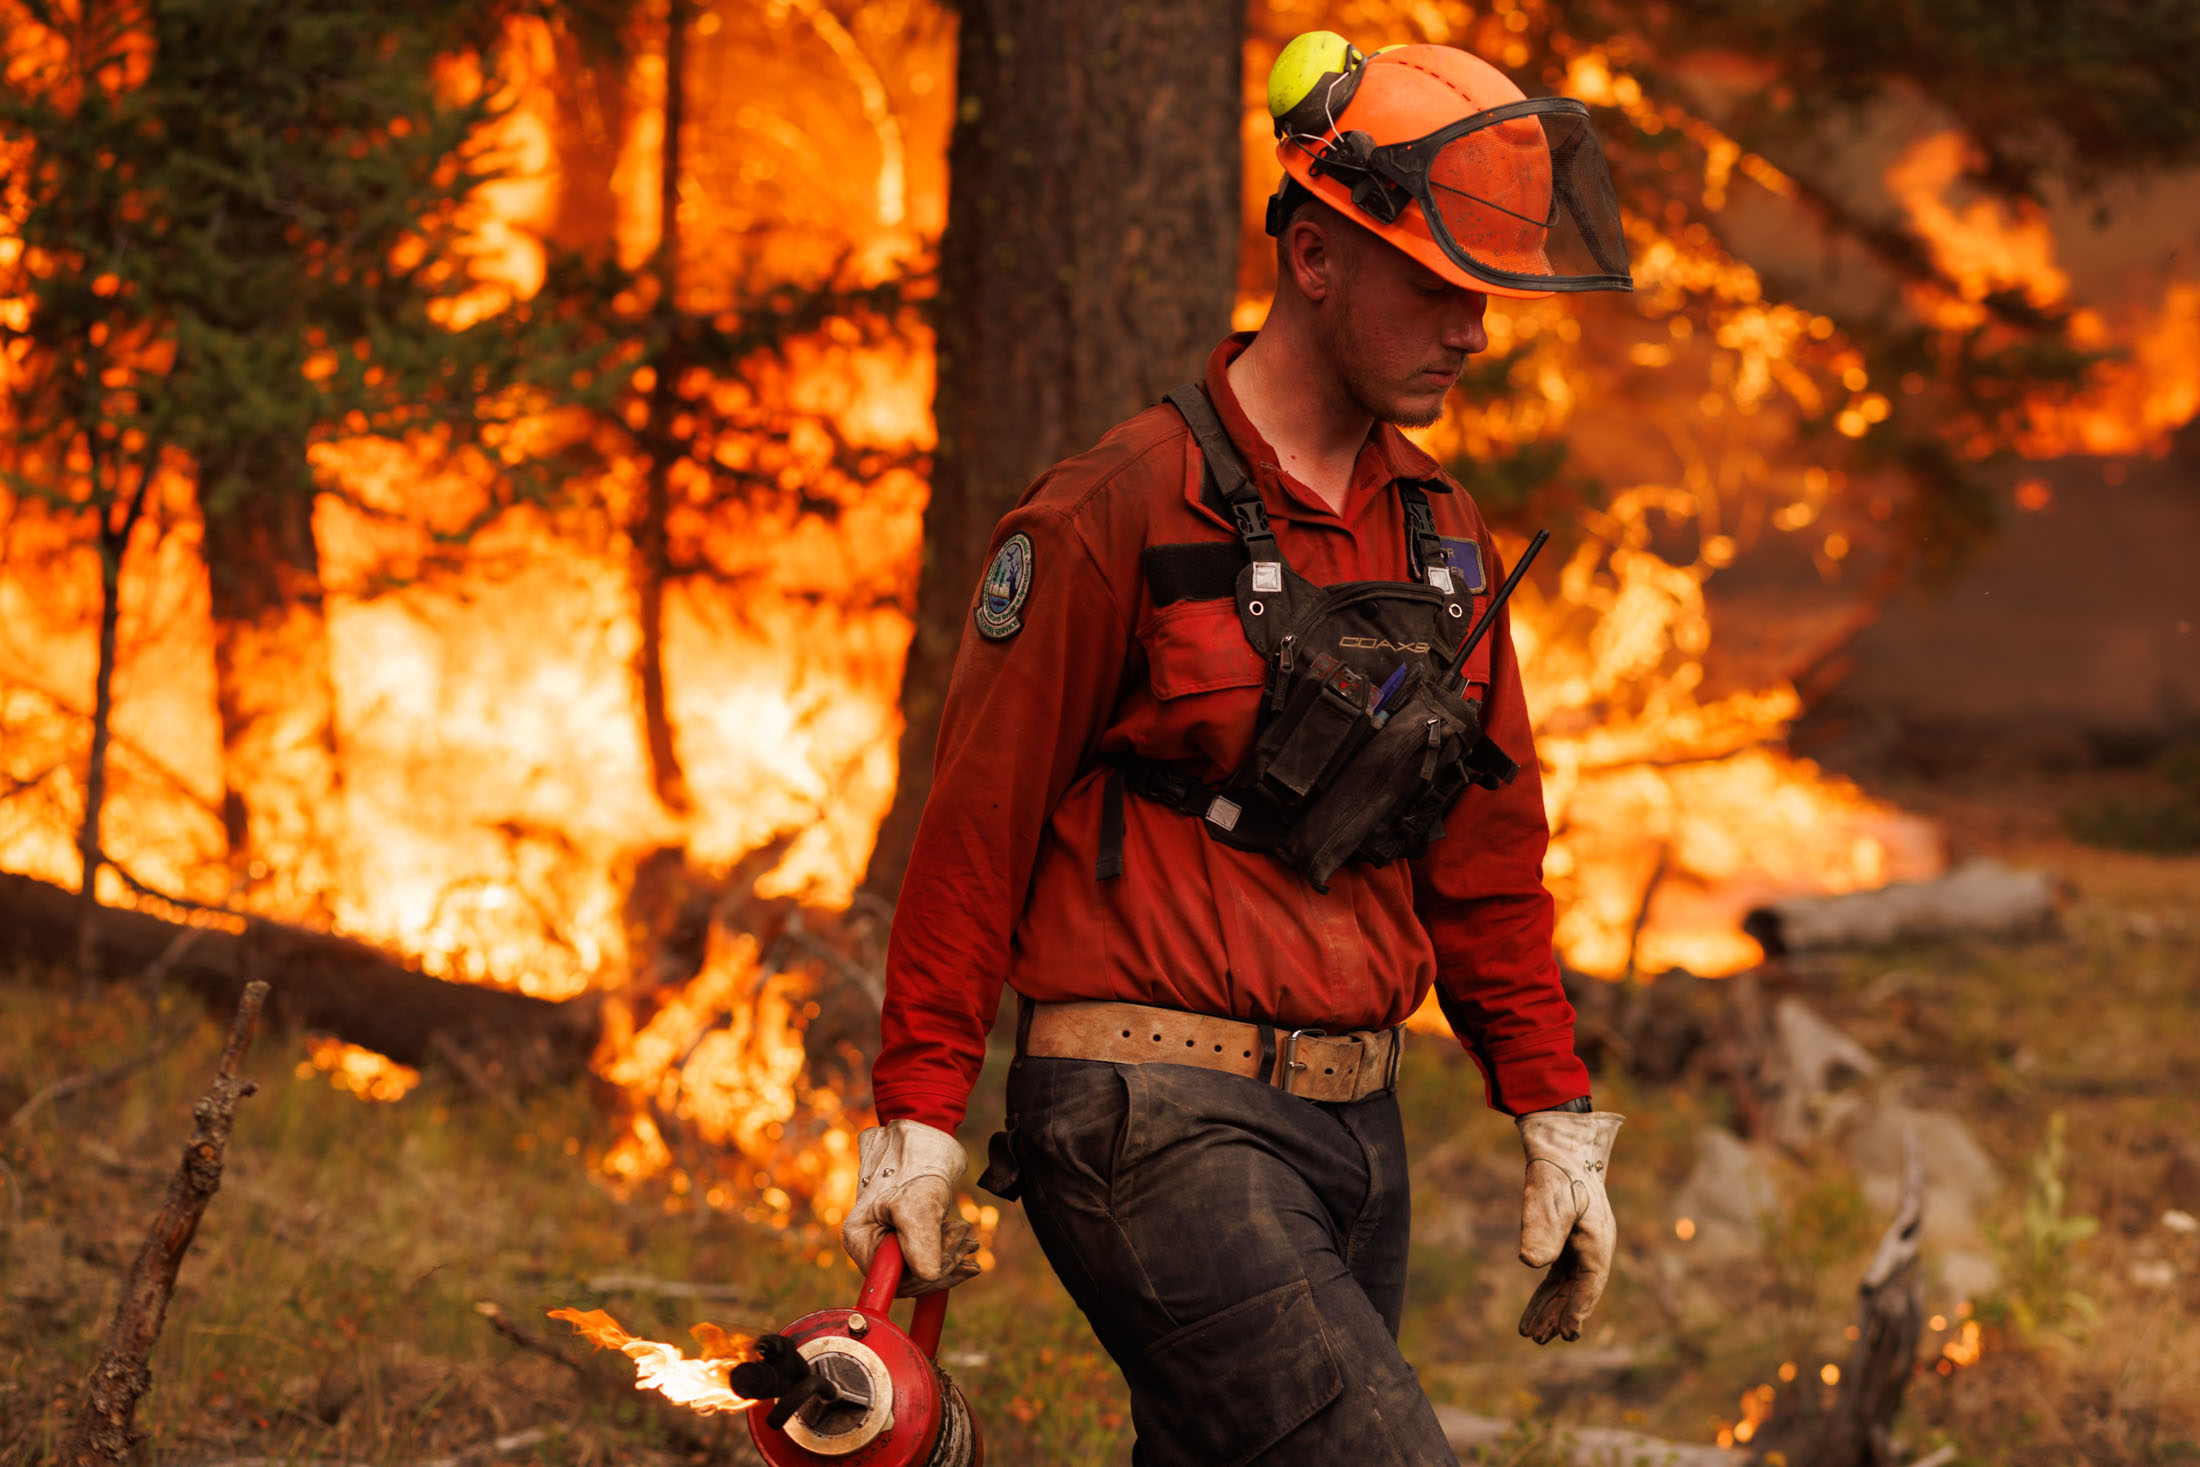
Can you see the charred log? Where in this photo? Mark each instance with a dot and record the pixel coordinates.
(325, 984)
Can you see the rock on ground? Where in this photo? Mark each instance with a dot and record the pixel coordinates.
(1727, 1196)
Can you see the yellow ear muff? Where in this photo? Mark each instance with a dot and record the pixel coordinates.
(1302, 85)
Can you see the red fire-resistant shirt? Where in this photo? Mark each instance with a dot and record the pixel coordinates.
(1001, 883)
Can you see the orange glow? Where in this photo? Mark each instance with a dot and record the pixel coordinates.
(1965, 1349)
(2131, 402)
(361, 1072)
(698, 1384)
(723, 1059)
(1984, 247)
(1756, 1410)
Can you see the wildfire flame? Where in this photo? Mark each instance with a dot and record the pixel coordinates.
(450, 762)
(362, 1072)
(696, 1383)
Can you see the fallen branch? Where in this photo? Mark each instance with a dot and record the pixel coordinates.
(121, 1376)
(683, 1426)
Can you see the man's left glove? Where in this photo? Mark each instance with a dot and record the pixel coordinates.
(906, 1175)
(1565, 1218)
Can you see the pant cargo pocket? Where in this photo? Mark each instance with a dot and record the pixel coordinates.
(1220, 1392)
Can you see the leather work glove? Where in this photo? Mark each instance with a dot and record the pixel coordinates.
(1565, 1218)
(906, 1175)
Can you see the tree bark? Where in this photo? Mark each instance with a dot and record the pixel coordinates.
(1088, 266)
(329, 985)
(122, 1375)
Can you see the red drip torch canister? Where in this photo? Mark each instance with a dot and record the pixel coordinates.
(847, 1386)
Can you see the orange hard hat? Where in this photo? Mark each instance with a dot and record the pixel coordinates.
(1442, 155)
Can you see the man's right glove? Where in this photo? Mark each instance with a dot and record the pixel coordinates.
(906, 1175)
(1565, 1218)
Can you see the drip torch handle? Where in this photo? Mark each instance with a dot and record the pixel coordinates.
(1497, 603)
(930, 1319)
(881, 1283)
(883, 1279)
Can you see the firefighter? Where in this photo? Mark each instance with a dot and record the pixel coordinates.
(1215, 797)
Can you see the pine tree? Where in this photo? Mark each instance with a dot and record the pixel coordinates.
(239, 227)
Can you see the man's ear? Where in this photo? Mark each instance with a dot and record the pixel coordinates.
(1311, 257)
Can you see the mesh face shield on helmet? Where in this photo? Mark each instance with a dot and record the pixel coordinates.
(1515, 196)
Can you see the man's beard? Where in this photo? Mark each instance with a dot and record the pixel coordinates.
(1361, 387)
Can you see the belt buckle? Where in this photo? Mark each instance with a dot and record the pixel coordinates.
(1397, 1048)
(1290, 1055)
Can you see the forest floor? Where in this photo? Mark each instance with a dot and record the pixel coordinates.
(332, 1308)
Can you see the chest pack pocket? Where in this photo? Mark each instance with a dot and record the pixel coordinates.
(1366, 737)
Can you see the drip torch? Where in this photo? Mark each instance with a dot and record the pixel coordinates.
(849, 1386)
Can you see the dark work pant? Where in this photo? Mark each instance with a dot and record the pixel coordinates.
(1241, 1253)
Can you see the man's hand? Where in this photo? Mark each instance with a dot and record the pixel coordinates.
(1565, 1219)
(906, 1174)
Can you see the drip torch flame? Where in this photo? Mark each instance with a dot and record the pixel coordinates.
(698, 1384)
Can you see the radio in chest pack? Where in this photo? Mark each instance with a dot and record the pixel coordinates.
(1366, 737)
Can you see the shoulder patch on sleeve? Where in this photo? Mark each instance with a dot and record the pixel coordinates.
(1007, 584)
(1465, 557)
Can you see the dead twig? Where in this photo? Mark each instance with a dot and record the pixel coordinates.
(76, 1084)
(682, 1426)
(528, 1340)
(111, 1394)
(151, 978)
(469, 1070)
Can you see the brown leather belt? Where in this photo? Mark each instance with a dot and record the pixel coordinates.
(1307, 1063)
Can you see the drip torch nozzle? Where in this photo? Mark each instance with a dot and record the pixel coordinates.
(782, 1376)
(778, 1366)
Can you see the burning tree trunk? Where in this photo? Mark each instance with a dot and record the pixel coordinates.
(660, 440)
(114, 543)
(1088, 266)
(272, 680)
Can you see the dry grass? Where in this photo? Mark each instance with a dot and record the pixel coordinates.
(328, 1310)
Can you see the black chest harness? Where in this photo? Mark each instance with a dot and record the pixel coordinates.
(1365, 736)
